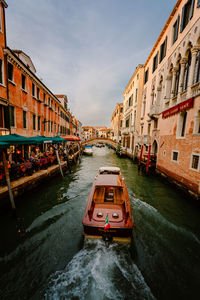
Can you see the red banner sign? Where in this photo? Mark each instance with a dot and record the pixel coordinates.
(178, 108)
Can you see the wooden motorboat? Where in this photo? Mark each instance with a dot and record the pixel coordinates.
(108, 211)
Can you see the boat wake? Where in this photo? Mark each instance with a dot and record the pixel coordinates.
(97, 272)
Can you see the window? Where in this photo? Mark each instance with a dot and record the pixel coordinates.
(195, 161)
(12, 116)
(121, 123)
(130, 101)
(155, 62)
(187, 72)
(142, 127)
(177, 80)
(0, 19)
(10, 71)
(136, 95)
(175, 155)
(187, 13)
(34, 127)
(146, 76)
(24, 119)
(155, 123)
(197, 68)
(134, 120)
(33, 89)
(23, 82)
(51, 126)
(49, 102)
(121, 110)
(38, 122)
(163, 49)
(1, 71)
(197, 123)
(38, 93)
(127, 123)
(149, 128)
(44, 122)
(58, 109)
(198, 3)
(143, 109)
(175, 30)
(55, 106)
(182, 124)
(44, 98)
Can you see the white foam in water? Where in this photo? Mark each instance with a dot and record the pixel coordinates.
(97, 272)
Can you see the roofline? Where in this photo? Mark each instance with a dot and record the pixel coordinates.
(8, 50)
(164, 29)
(137, 68)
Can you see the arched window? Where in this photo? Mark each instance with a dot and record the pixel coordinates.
(187, 72)
(197, 68)
(177, 79)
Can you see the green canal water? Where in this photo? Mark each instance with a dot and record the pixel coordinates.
(43, 254)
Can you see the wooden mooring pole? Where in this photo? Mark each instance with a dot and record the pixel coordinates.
(58, 159)
(8, 181)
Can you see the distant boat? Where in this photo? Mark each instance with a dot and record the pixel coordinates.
(108, 211)
(88, 150)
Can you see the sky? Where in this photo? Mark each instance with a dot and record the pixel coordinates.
(86, 49)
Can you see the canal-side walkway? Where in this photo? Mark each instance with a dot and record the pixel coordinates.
(26, 183)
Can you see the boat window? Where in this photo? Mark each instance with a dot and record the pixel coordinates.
(109, 194)
(99, 195)
(118, 196)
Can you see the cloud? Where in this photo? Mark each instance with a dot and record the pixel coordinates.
(86, 49)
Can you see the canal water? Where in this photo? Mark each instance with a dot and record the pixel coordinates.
(43, 254)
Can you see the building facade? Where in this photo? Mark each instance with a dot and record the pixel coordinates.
(88, 132)
(132, 111)
(117, 122)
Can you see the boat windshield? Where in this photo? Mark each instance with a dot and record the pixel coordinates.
(108, 195)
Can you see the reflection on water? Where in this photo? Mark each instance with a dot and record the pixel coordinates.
(42, 255)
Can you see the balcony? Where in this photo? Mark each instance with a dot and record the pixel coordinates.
(195, 89)
(154, 110)
(126, 130)
(146, 139)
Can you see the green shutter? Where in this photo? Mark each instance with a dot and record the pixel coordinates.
(165, 50)
(182, 19)
(12, 116)
(192, 9)
(1, 72)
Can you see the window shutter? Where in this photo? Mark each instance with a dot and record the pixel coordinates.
(182, 18)
(192, 9)
(177, 26)
(160, 54)
(165, 47)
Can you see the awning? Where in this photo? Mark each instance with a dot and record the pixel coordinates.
(178, 108)
(72, 138)
(4, 145)
(14, 139)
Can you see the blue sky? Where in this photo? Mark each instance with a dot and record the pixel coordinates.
(86, 49)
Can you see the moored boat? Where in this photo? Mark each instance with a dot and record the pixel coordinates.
(108, 211)
(88, 150)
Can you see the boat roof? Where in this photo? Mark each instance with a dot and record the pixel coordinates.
(109, 170)
(108, 180)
